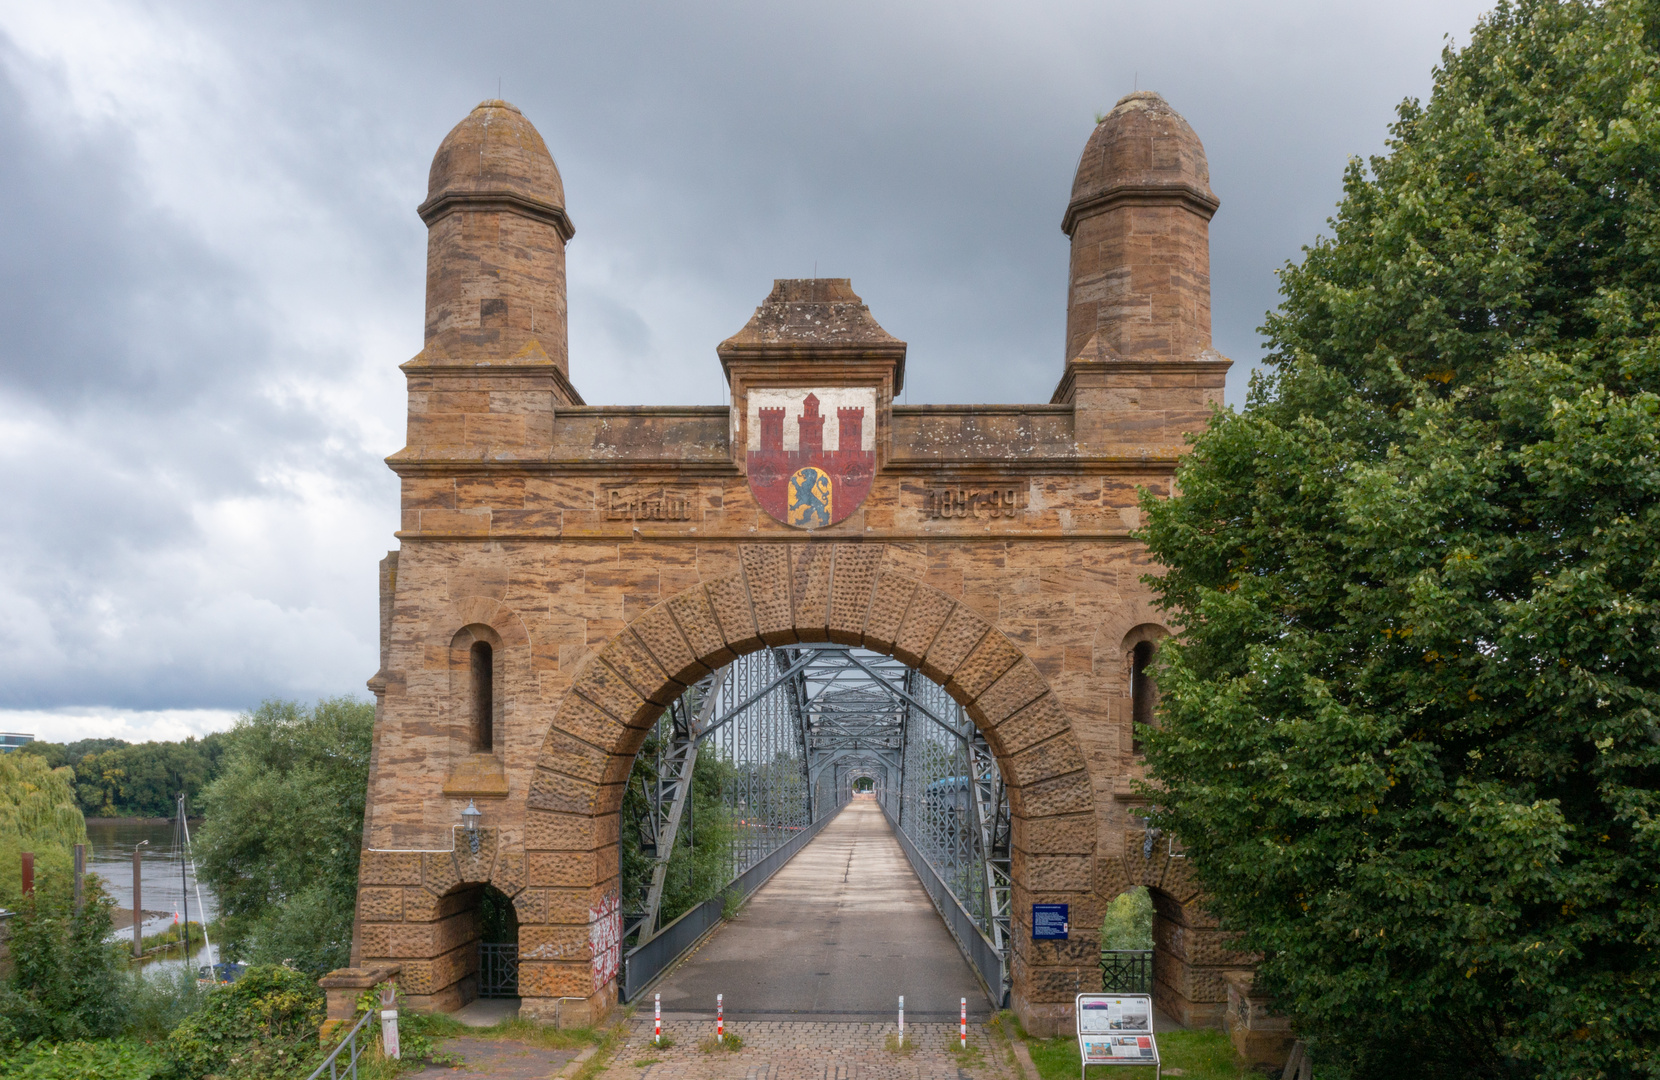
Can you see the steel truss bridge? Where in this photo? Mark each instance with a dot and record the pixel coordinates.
(772, 746)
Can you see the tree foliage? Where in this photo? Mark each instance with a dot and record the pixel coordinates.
(114, 778)
(1411, 733)
(37, 814)
(66, 981)
(263, 1026)
(284, 828)
(700, 865)
(1128, 923)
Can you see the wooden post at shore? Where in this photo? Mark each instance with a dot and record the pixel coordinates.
(28, 872)
(138, 904)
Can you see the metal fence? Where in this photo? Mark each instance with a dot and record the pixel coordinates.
(988, 961)
(645, 962)
(353, 1046)
(1126, 971)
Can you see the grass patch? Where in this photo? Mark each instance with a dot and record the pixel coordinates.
(609, 1043)
(643, 1062)
(729, 1045)
(969, 1057)
(894, 1046)
(1200, 1055)
(545, 1036)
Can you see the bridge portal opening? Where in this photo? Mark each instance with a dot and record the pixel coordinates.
(746, 768)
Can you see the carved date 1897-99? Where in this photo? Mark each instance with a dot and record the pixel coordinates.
(967, 502)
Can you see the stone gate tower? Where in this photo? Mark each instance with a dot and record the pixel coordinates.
(564, 571)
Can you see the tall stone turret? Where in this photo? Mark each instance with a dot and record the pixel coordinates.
(1140, 367)
(496, 233)
(495, 361)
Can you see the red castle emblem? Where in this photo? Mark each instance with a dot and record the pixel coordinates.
(809, 486)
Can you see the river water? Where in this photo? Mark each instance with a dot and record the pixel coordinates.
(110, 855)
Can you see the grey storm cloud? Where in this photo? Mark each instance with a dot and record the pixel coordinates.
(210, 264)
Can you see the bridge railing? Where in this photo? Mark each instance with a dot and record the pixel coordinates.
(353, 1046)
(979, 950)
(644, 963)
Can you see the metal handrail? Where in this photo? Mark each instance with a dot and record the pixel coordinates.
(349, 1041)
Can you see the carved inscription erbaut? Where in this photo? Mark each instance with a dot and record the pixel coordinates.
(649, 504)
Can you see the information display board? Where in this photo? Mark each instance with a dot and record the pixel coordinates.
(1051, 922)
(1116, 1029)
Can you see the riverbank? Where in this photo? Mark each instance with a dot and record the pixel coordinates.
(122, 918)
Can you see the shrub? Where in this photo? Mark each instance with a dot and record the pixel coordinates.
(123, 1059)
(66, 981)
(261, 1027)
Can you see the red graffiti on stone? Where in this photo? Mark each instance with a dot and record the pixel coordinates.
(802, 474)
(605, 939)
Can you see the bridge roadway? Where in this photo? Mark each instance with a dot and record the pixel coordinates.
(837, 934)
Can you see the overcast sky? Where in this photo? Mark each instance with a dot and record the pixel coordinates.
(210, 263)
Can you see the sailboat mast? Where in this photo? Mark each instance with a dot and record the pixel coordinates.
(184, 884)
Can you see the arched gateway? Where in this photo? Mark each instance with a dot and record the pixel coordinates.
(566, 571)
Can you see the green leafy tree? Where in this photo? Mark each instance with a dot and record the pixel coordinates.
(284, 828)
(114, 778)
(1128, 923)
(1410, 735)
(66, 981)
(37, 814)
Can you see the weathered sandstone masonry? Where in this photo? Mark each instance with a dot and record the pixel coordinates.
(601, 559)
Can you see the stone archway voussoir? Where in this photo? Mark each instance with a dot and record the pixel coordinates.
(962, 630)
(810, 590)
(629, 658)
(694, 615)
(890, 602)
(729, 598)
(658, 632)
(927, 613)
(852, 588)
(766, 570)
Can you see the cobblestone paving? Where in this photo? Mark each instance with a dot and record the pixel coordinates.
(804, 1050)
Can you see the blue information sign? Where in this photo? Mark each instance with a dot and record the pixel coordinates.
(1049, 922)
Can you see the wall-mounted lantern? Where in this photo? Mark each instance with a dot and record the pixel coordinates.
(469, 818)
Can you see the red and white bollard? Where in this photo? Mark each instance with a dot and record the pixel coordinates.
(902, 1019)
(962, 1025)
(657, 1020)
(720, 1017)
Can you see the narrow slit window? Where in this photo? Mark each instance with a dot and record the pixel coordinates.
(484, 703)
(1143, 694)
